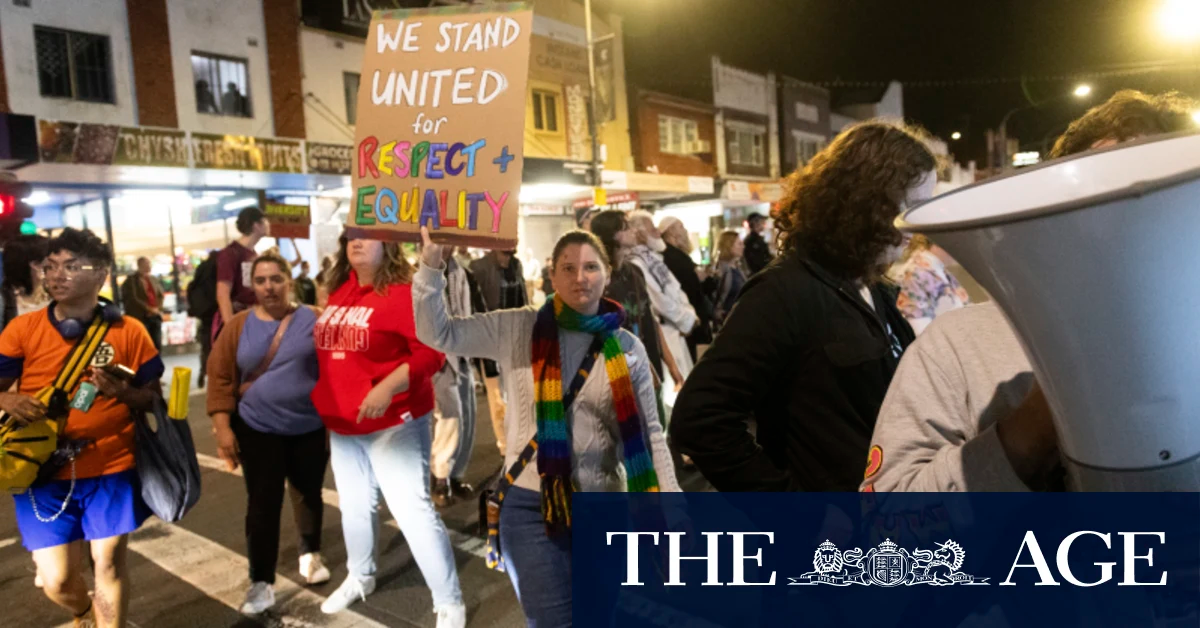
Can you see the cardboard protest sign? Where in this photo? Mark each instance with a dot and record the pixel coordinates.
(441, 115)
(288, 221)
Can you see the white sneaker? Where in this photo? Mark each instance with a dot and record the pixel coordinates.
(351, 591)
(313, 569)
(259, 598)
(452, 616)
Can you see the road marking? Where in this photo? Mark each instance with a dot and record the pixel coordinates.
(207, 566)
(6, 542)
(468, 543)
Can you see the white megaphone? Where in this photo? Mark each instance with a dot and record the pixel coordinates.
(1095, 261)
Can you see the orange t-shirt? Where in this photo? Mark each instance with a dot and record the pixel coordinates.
(33, 350)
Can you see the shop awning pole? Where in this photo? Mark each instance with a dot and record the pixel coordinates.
(597, 165)
(174, 265)
(112, 272)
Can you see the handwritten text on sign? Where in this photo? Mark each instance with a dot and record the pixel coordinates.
(440, 129)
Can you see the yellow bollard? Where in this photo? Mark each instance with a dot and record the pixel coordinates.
(181, 384)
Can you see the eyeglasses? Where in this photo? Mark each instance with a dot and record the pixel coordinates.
(70, 269)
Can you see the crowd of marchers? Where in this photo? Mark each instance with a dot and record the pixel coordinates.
(840, 355)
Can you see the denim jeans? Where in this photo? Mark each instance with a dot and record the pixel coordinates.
(394, 461)
(539, 566)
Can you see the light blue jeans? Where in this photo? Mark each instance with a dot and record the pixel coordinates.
(394, 461)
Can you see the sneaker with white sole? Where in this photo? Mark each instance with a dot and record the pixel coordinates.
(259, 598)
(452, 616)
(313, 569)
(351, 591)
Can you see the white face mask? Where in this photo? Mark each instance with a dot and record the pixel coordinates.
(657, 245)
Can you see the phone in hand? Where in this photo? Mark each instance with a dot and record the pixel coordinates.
(119, 371)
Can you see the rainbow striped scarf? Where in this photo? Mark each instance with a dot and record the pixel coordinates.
(554, 445)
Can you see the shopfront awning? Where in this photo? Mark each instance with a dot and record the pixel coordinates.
(100, 177)
(651, 185)
(102, 156)
(556, 181)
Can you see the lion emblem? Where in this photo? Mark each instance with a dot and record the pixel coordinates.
(888, 565)
(827, 559)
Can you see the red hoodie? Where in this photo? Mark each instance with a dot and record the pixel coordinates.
(361, 338)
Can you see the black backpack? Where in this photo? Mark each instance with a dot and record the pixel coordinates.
(202, 292)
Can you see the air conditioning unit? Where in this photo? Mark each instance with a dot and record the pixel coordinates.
(700, 146)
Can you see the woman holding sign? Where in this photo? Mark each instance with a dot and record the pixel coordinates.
(582, 399)
(375, 395)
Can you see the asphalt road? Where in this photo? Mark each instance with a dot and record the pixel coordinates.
(194, 574)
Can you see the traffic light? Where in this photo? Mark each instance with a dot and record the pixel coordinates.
(13, 211)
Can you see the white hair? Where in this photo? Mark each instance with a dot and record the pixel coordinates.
(639, 215)
(667, 223)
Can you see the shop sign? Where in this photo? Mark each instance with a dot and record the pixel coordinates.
(766, 192)
(763, 192)
(288, 221)
(579, 140)
(558, 62)
(440, 131)
(541, 210)
(240, 152)
(106, 144)
(329, 158)
(736, 191)
(559, 55)
(139, 146)
(611, 200)
(700, 185)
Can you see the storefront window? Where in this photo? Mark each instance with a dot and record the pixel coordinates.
(175, 230)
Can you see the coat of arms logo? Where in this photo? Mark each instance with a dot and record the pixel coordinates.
(888, 565)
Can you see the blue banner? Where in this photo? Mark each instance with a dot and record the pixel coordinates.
(882, 560)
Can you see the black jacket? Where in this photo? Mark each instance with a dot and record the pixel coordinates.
(684, 270)
(807, 359)
(756, 253)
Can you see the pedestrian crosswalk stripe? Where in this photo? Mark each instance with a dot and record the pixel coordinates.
(470, 544)
(207, 565)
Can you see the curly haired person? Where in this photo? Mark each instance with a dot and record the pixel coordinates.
(810, 348)
(965, 412)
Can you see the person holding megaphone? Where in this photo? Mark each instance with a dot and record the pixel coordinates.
(964, 411)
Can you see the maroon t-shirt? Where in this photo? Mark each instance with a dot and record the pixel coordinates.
(234, 264)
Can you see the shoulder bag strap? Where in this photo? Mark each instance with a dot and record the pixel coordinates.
(54, 396)
(568, 398)
(270, 356)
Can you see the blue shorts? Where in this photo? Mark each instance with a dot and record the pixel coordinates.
(100, 507)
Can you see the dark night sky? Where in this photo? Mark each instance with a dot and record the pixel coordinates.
(1023, 43)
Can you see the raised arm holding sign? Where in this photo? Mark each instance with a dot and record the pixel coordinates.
(441, 119)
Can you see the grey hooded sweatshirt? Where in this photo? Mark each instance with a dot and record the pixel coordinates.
(936, 430)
